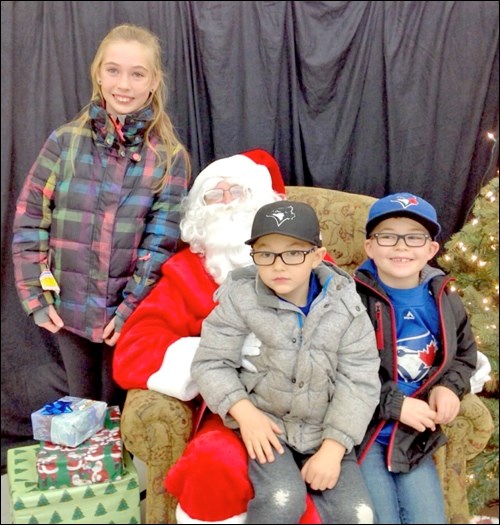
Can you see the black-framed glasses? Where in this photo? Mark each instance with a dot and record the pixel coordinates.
(412, 240)
(290, 257)
(217, 194)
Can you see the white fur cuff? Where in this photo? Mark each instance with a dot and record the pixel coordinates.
(183, 518)
(174, 376)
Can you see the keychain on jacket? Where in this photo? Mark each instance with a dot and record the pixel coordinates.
(48, 281)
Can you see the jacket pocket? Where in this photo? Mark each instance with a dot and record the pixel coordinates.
(251, 379)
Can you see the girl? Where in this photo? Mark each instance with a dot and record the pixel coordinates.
(99, 211)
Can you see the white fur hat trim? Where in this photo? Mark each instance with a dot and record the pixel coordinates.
(238, 169)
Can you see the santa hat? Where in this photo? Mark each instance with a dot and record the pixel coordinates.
(253, 169)
(261, 156)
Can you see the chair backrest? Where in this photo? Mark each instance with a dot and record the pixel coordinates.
(342, 217)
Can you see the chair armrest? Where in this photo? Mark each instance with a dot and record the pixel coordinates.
(156, 428)
(467, 436)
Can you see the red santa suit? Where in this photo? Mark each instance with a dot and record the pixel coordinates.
(174, 309)
(155, 350)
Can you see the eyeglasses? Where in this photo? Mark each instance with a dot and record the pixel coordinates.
(290, 258)
(217, 194)
(412, 240)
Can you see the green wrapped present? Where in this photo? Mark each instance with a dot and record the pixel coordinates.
(111, 502)
(98, 459)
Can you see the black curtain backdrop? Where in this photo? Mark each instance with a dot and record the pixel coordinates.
(366, 97)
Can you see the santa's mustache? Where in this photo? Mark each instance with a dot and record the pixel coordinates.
(218, 225)
(218, 233)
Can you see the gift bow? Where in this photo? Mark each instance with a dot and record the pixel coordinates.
(56, 408)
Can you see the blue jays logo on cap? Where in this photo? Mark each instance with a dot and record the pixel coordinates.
(404, 205)
(406, 202)
(291, 218)
(282, 214)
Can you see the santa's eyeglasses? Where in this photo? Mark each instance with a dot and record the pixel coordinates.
(217, 194)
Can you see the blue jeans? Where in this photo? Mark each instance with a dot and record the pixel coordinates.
(412, 497)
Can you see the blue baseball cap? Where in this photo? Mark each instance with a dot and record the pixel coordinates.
(404, 205)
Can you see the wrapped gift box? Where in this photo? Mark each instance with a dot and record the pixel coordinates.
(68, 421)
(111, 502)
(99, 458)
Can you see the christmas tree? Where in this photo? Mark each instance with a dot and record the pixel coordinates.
(471, 256)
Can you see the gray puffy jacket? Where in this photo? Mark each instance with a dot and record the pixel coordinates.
(317, 375)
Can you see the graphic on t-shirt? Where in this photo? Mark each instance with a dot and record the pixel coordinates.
(415, 356)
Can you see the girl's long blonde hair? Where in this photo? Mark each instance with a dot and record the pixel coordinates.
(161, 123)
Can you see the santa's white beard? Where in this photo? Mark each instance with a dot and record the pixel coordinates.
(218, 232)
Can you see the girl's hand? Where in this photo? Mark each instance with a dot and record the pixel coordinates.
(110, 334)
(54, 323)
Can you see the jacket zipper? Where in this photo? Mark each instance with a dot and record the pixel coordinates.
(379, 330)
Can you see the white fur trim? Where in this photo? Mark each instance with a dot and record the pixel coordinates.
(183, 518)
(251, 347)
(174, 376)
(239, 169)
(481, 375)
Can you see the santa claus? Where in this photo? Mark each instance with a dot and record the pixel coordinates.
(158, 341)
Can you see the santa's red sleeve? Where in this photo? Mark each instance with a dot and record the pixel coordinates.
(175, 309)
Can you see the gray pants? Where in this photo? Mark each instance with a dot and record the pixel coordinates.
(280, 492)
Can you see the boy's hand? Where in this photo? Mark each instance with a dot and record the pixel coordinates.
(322, 469)
(417, 414)
(446, 403)
(258, 431)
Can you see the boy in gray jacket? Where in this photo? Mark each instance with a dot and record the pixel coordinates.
(305, 401)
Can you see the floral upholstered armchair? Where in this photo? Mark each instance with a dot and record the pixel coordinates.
(156, 427)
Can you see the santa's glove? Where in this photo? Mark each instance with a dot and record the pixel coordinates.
(174, 376)
(481, 375)
(251, 347)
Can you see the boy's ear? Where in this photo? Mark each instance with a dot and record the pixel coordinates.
(433, 249)
(319, 255)
(368, 248)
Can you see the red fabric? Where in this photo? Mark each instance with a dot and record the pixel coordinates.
(184, 288)
(263, 157)
(210, 479)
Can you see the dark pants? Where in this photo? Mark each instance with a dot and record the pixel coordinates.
(89, 369)
(280, 492)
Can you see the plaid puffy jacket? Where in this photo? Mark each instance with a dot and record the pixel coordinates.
(88, 210)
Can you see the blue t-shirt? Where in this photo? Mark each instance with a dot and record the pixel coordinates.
(417, 326)
(313, 292)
